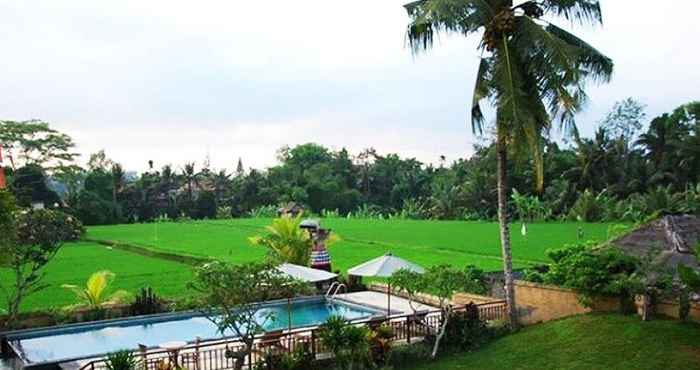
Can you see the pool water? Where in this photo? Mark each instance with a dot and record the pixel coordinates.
(84, 342)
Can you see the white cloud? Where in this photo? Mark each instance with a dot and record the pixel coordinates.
(171, 80)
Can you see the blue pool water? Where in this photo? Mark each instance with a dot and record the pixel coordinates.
(87, 341)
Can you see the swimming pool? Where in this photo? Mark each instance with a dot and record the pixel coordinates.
(80, 341)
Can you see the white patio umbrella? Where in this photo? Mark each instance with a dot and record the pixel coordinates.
(385, 266)
(305, 274)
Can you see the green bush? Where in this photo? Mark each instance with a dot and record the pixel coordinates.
(591, 271)
(465, 331)
(407, 356)
(349, 344)
(299, 359)
(121, 360)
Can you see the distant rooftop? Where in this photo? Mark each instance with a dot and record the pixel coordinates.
(675, 236)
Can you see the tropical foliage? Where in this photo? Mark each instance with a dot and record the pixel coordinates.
(30, 240)
(286, 241)
(95, 294)
(233, 298)
(622, 172)
(350, 344)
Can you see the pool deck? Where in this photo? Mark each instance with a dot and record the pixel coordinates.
(378, 300)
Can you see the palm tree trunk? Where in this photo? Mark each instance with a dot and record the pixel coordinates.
(505, 232)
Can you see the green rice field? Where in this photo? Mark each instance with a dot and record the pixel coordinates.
(423, 242)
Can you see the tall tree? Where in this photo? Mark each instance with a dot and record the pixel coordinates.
(533, 71)
(117, 186)
(34, 142)
(190, 175)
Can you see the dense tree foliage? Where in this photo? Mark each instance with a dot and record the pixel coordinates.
(29, 241)
(622, 172)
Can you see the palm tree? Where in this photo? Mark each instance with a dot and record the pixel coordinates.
(222, 182)
(532, 71)
(94, 294)
(190, 178)
(117, 185)
(286, 241)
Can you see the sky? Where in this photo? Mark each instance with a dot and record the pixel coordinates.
(181, 81)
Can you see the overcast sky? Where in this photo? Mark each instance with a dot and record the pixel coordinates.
(175, 81)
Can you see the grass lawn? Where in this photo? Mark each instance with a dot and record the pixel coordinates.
(75, 262)
(588, 342)
(424, 242)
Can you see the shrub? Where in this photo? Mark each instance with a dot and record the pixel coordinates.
(475, 280)
(590, 271)
(380, 344)
(269, 211)
(224, 212)
(465, 331)
(406, 356)
(121, 360)
(349, 344)
(146, 302)
(299, 359)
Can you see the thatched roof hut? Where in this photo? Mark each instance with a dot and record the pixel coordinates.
(676, 237)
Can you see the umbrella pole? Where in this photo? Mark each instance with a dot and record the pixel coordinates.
(388, 300)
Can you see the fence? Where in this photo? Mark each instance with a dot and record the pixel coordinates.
(217, 354)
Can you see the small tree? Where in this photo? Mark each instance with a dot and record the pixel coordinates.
(409, 282)
(234, 296)
(443, 281)
(33, 238)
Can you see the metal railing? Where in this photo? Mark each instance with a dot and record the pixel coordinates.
(213, 354)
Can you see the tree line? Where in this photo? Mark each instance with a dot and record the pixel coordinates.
(627, 170)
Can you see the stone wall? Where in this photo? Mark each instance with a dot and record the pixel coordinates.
(671, 309)
(542, 303)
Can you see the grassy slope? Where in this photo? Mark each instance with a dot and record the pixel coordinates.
(425, 242)
(76, 261)
(588, 342)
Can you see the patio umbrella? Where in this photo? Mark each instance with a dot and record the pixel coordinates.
(385, 266)
(305, 274)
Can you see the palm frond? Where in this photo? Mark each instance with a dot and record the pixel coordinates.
(430, 17)
(562, 65)
(581, 11)
(594, 64)
(481, 91)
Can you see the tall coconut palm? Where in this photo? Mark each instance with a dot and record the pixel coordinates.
(532, 71)
(117, 186)
(190, 175)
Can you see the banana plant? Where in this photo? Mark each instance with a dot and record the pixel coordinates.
(94, 294)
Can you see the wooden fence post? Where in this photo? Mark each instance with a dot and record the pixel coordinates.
(313, 342)
(408, 329)
(197, 342)
(144, 355)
